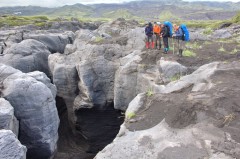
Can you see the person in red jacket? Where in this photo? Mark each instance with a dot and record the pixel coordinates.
(157, 31)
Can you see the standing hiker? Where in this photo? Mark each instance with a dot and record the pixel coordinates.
(149, 35)
(165, 35)
(157, 31)
(178, 35)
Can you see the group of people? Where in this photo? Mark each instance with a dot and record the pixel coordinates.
(161, 32)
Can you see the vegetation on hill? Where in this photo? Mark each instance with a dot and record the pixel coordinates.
(23, 20)
(168, 15)
(120, 13)
(210, 24)
(77, 10)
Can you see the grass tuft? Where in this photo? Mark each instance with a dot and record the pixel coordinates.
(175, 77)
(130, 115)
(221, 49)
(208, 31)
(150, 92)
(189, 53)
(234, 51)
(98, 39)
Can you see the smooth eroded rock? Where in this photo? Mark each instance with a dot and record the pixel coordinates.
(10, 147)
(7, 119)
(27, 56)
(35, 108)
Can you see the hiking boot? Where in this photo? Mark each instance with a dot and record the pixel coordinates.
(152, 45)
(165, 51)
(147, 45)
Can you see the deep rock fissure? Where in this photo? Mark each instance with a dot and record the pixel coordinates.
(95, 128)
(99, 125)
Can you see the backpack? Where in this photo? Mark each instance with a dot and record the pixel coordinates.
(185, 31)
(170, 28)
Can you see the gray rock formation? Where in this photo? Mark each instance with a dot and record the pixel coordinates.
(41, 77)
(35, 108)
(84, 76)
(194, 117)
(171, 70)
(213, 34)
(222, 34)
(95, 63)
(55, 42)
(27, 56)
(10, 147)
(134, 77)
(10, 37)
(73, 25)
(7, 119)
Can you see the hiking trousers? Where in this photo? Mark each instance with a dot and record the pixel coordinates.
(157, 40)
(180, 44)
(165, 42)
(149, 38)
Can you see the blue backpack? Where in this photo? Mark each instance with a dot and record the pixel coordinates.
(170, 28)
(185, 31)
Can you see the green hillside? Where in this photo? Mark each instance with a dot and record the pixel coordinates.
(120, 13)
(77, 10)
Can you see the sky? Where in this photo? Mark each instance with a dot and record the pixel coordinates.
(56, 3)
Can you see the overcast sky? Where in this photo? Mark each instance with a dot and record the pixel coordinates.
(55, 3)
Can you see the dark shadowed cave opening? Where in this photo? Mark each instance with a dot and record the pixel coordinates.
(99, 125)
(96, 128)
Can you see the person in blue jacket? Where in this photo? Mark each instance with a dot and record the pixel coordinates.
(178, 34)
(149, 34)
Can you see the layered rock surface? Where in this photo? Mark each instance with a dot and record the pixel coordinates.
(194, 117)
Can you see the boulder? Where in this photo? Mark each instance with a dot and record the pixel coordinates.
(27, 56)
(7, 119)
(197, 34)
(222, 34)
(10, 147)
(171, 70)
(35, 108)
(55, 42)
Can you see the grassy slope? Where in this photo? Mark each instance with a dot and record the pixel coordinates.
(23, 20)
(67, 11)
(212, 24)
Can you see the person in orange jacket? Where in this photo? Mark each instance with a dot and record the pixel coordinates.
(157, 30)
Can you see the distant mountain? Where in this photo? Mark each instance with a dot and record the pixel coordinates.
(142, 10)
(28, 10)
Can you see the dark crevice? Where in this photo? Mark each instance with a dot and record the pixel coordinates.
(2, 49)
(98, 125)
(70, 146)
